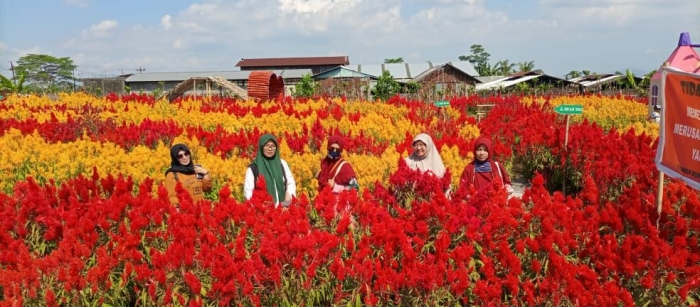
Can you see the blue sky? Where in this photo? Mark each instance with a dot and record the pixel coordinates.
(115, 37)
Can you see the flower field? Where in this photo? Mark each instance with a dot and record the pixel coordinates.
(87, 221)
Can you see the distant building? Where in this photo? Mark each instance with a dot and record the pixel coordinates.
(102, 86)
(165, 81)
(684, 58)
(315, 64)
(343, 81)
(445, 80)
(405, 72)
(528, 80)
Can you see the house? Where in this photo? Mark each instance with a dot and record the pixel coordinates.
(315, 64)
(405, 72)
(601, 83)
(343, 81)
(684, 58)
(445, 80)
(535, 79)
(165, 81)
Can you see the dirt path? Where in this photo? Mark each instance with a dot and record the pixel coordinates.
(519, 184)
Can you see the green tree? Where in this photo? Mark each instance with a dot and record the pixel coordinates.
(526, 66)
(386, 86)
(647, 79)
(412, 87)
(479, 59)
(504, 67)
(306, 88)
(12, 86)
(573, 74)
(46, 73)
(395, 60)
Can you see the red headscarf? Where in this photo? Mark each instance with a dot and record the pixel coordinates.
(329, 166)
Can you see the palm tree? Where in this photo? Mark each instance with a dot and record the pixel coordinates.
(573, 74)
(12, 86)
(505, 68)
(526, 66)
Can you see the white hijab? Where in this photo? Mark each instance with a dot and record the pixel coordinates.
(431, 162)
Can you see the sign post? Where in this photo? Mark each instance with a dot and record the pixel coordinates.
(678, 154)
(442, 103)
(568, 110)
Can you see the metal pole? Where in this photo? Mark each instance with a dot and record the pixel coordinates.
(566, 149)
(74, 79)
(12, 66)
(659, 198)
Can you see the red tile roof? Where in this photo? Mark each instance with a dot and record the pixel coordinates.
(301, 61)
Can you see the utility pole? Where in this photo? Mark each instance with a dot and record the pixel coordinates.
(74, 79)
(12, 66)
(140, 69)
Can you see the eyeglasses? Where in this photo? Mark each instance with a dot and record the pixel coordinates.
(270, 146)
(333, 149)
(182, 155)
(417, 145)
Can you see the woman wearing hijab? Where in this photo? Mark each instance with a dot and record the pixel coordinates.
(279, 181)
(336, 173)
(425, 156)
(483, 171)
(194, 178)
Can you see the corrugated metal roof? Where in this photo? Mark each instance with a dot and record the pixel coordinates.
(342, 72)
(440, 66)
(505, 82)
(294, 61)
(228, 75)
(487, 79)
(370, 69)
(407, 71)
(591, 80)
(466, 67)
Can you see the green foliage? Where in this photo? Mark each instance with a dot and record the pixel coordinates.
(480, 59)
(306, 88)
(46, 73)
(526, 66)
(504, 67)
(392, 61)
(411, 87)
(386, 86)
(16, 87)
(573, 74)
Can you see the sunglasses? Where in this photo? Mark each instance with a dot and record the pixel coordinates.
(182, 155)
(333, 149)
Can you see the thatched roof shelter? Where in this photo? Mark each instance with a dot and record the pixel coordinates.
(191, 85)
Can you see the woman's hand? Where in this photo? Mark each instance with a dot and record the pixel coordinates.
(200, 170)
(331, 183)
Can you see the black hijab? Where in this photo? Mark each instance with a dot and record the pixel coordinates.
(175, 165)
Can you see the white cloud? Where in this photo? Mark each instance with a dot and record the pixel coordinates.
(101, 29)
(214, 34)
(178, 44)
(617, 12)
(80, 3)
(166, 22)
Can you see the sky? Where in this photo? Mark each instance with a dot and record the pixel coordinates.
(118, 37)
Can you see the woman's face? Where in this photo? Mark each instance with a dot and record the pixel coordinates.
(269, 149)
(481, 153)
(420, 149)
(183, 157)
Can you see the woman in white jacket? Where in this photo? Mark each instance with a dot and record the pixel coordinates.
(279, 181)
